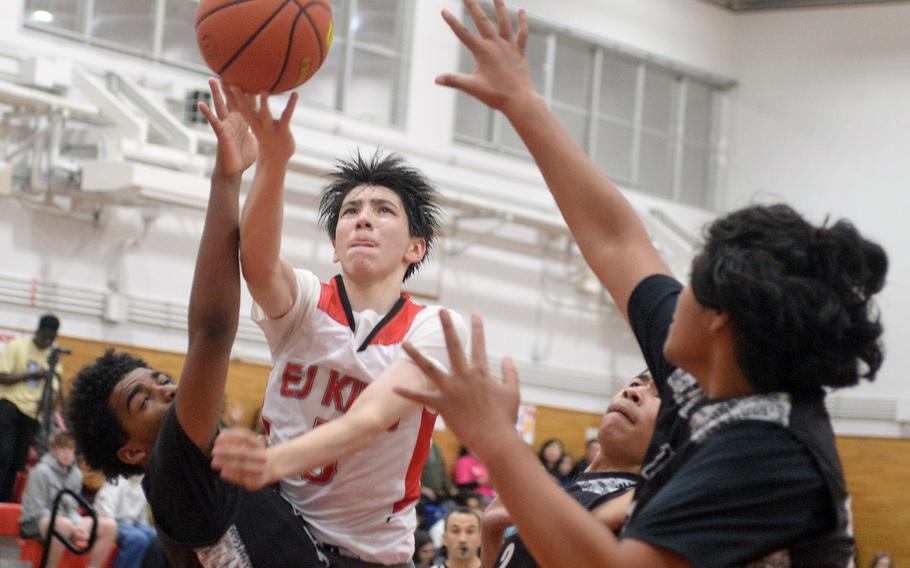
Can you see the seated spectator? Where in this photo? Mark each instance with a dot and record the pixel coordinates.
(592, 446)
(550, 453)
(467, 499)
(435, 485)
(57, 471)
(564, 470)
(424, 550)
(124, 501)
(461, 539)
(882, 560)
(605, 488)
(471, 474)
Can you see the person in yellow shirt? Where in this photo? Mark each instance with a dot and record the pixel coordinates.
(23, 365)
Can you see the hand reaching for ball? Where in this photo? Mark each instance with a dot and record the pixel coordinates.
(237, 147)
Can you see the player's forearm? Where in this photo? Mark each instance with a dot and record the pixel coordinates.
(215, 295)
(491, 538)
(261, 222)
(325, 444)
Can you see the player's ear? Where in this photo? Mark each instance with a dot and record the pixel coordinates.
(334, 253)
(416, 250)
(132, 453)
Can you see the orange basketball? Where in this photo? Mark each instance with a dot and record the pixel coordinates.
(264, 45)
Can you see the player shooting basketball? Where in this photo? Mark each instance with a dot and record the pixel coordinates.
(347, 450)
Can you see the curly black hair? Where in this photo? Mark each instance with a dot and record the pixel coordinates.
(799, 297)
(417, 194)
(89, 415)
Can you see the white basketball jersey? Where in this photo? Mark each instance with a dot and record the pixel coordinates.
(322, 362)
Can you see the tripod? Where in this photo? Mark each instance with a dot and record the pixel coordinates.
(47, 396)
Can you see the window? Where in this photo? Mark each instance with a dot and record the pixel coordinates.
(364, 75)
(651, 128)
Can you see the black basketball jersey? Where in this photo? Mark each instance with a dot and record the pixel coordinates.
(696, 419)
(589, 489)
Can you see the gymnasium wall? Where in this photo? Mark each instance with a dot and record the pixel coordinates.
(820, 118)
(877, 470)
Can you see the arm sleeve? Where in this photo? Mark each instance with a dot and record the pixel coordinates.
(747, 492)
(278, 330)
(35, 505)
(651, 308)
(8, 357)
(427, 336)
(106, 500)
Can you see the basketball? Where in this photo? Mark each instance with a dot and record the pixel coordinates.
(264, 45)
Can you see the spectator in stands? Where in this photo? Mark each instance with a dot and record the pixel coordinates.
(882, 560)
(424, 550)
(461, 539)
(466, 499)
(471, 474)
(550, 453)
(124, 501)
(57, 471)
(23, 366)
(564, 470)
(435, 485)
(591, 448)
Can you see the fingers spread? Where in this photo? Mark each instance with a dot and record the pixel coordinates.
(424, 397)
(289, 110)
(461, 31)
(457, 359)
(502, 18)
(209, 116)
(265, 115)
(509, 373)
(217, 99)
(522, 40)
(478, 343)
(484, 27)
(428, 367)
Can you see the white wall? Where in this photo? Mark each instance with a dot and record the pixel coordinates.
(821, 119)
(691, 32)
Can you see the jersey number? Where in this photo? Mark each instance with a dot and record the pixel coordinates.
(322, 475)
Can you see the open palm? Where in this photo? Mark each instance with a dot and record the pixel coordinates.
(237, 147)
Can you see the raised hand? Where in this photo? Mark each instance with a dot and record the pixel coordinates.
(241, 457)
(479, 409)
(276, 141)
(237, 148)
(502, 75)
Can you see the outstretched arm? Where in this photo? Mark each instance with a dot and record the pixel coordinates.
(609, 233)
(269, 277)
(215, 296)
(242, 457)
(493, 525)
(481, 413)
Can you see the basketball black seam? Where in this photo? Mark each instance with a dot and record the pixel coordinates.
(315, 31)
(252, 38)
(287, 52)
(220, 8)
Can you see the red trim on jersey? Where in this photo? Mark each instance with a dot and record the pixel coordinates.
(266, 425)
(330, 302)
(418, 458)
(394, 331)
